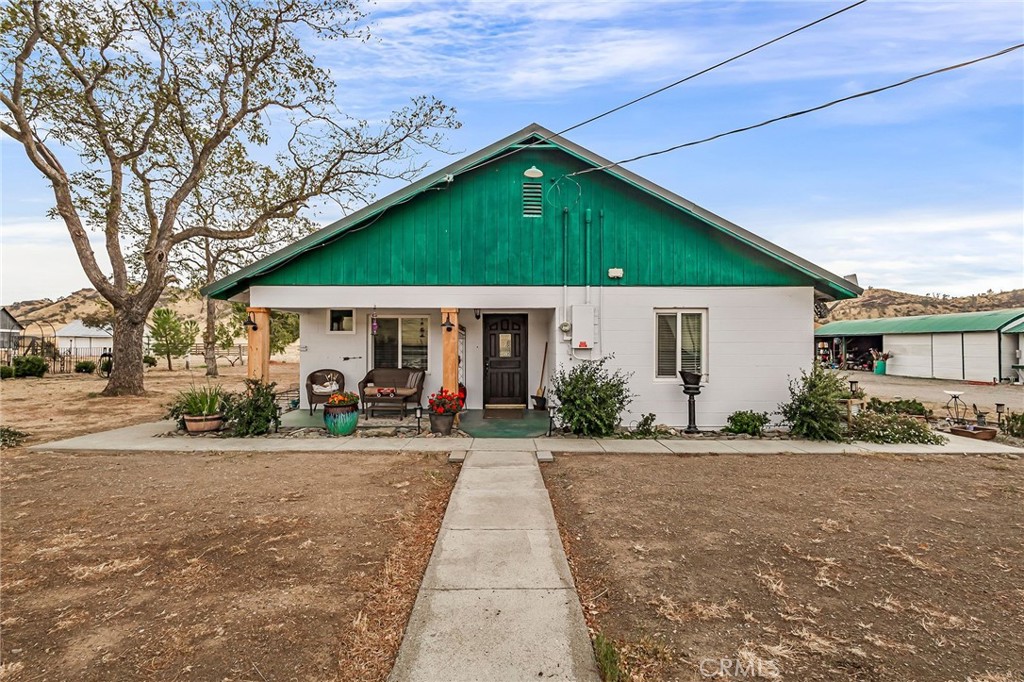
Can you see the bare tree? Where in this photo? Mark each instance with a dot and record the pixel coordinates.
(126, 106)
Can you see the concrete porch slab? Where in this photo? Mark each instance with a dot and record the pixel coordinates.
(492, 559)
(516, 636)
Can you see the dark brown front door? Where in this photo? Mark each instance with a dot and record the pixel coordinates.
(505, 359)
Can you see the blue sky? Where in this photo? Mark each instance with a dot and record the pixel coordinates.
(919, 189)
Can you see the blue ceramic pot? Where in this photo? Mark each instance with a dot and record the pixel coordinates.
(341, 420)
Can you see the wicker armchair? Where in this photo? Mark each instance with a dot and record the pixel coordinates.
(319, 378)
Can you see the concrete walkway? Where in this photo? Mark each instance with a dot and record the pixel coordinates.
(497, 601)
(143, 438)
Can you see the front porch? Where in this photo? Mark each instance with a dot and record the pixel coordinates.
(500, 355)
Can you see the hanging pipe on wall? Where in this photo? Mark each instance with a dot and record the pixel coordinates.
(565, 263)
(586, 251)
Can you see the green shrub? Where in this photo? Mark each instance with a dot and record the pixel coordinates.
(813, 410)
(6, 372)
(85, 367)
(253, 412)
(748, 422)
(876, 427)
(898, 406)
(149, 361)
(1015, 424)
(30, 366)
(11, 438)
(591, 398)
(646, 428)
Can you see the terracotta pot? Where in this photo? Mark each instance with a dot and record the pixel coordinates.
(341, 420)
(441, 423)
(203, 423)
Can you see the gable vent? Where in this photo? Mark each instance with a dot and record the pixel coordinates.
(533, 200)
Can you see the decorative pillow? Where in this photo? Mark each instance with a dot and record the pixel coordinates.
(405, 392)
(414, 379)
(325, 389)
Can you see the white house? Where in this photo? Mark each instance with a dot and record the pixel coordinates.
(529, 255)
(980, 346)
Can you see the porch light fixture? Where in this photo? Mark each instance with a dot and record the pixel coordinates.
(448, 326)
(250, 322)
(373, 322)
(476, 313)
(533, 172)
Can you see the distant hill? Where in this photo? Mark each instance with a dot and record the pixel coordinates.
(888, 303)
(88, 301)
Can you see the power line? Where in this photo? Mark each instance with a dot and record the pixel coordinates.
(804, 111)
(672, 85)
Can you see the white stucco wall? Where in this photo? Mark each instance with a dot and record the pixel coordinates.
(758, 338)
(912, 354)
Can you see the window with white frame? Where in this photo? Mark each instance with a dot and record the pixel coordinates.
(680, 342)
(401, 342)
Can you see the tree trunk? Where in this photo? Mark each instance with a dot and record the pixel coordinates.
(210, 338)
(170, 368)
(126, 372)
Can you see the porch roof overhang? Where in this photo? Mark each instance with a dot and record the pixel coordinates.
(827, 285)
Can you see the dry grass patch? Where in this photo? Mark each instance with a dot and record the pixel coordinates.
(899, 552)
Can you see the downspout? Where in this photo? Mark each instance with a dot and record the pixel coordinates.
(586, 250)
(565, 263)
(600, 307)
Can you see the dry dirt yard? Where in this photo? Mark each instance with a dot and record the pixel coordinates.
(66, 405)
(173, 566)
(808, 567)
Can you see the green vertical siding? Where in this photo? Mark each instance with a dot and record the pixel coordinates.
(472, 233)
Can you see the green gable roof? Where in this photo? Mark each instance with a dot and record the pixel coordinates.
(465, 226)
(1017, 328)
(987, 321)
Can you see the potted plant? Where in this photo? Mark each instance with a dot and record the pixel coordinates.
(201, 409)
(341, 413)
(444, 405)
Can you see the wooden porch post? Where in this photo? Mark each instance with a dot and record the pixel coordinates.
(450, 350)
(258, 358)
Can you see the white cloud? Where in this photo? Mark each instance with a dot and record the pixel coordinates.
(39, 261)
(953, 251)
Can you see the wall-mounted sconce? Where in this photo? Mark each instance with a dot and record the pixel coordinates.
(448, 326)
(476, 313)
(250, 322)
(374, 326)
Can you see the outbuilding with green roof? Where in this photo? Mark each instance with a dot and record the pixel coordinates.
(978, 346)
